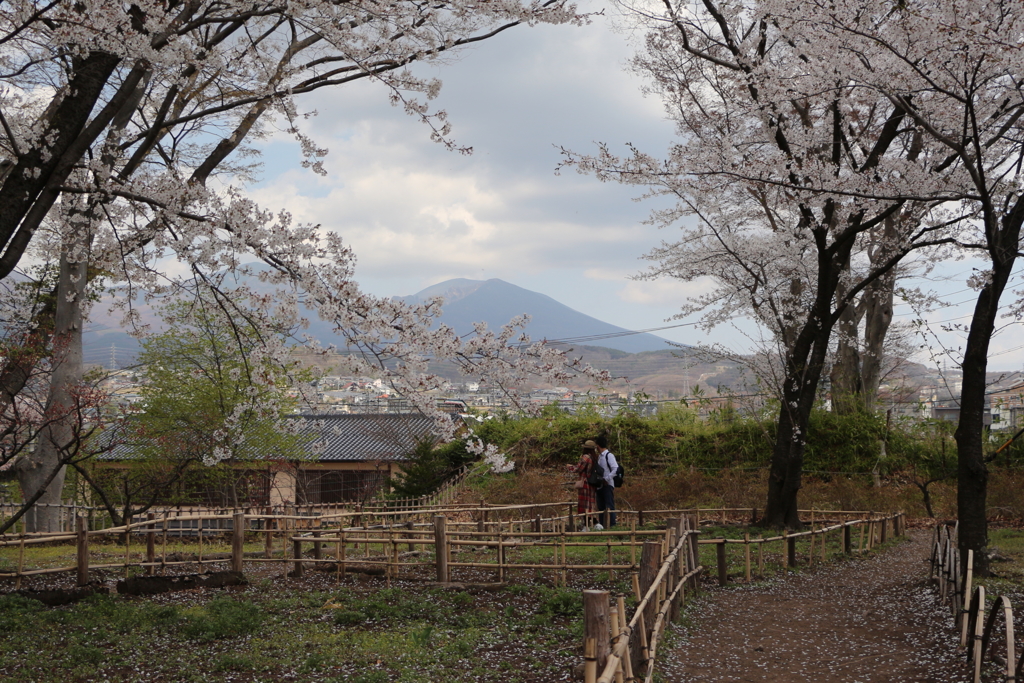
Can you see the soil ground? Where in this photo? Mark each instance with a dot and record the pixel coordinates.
(866, 620)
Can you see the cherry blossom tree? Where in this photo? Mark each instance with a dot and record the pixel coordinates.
(115, 117)
(776, 177)
(954, 69)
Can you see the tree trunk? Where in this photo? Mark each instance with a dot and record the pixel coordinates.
(63, 413)
(804, 367)
(845, 378)
(876, 309)
(972, 472)
(877, 319)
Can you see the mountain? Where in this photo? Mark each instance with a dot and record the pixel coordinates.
(495, 302)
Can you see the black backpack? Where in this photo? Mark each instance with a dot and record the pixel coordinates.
(596, 476)
(618, 476)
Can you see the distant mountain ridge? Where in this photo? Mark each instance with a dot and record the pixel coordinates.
(495, 302)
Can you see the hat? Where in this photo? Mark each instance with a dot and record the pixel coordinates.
(590, 444)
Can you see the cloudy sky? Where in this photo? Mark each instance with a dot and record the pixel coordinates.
(417, 214)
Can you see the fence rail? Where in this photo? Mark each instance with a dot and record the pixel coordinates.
(967, 604)
(498, 529)
(615, 660)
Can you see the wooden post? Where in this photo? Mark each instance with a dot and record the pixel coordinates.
(847, 539)
(596, 629)
(441, 547)
(650, 561)
(238, 542)
(501, 554)
(723, 569)
(790, 550)
(746, 556)
(536, 525)
(640, 518)
(409, 528)
(316, 545)
(82, 530)
(297, 551)
(885, 525)
(150, 544)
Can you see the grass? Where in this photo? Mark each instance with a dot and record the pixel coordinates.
(281, 630)
(315, 630)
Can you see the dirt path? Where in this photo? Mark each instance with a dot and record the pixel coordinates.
(865, 620)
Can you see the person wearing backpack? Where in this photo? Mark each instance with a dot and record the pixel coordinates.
(606, 493)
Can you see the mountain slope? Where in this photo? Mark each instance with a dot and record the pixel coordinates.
(496, 302)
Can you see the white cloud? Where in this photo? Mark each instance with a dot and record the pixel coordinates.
(664, 291)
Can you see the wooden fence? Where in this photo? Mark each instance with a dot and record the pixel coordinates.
(615, 650)
(98, 518)
(967, 604)
(381, 534)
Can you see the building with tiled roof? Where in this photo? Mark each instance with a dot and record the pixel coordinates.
(342, 458)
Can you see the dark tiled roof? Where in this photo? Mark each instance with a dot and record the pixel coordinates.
(364, 437)
(343, 438)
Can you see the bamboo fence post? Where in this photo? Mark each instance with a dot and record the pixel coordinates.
(723, 569)
(595, 630)
(316, 545)
(554, 563)
(412, 536)
(746, 556)
(589, 660)
(824, 546)
(344, 548)
(82, 552)
(163, 547)
(21, 559)
(790, 549)
(297, 551)
(200, 522)
(847, 539)
(440, 547)
(565, 568)
(885, 525)
(127, 543)
(632, 543)
(810, 550)
(760, 557)
(268, 545)
(337, 559)
(968, 580)
(238, 542)
(501, 554)
(611, 572)
(150, 544)
(627, 661)
(572, 522)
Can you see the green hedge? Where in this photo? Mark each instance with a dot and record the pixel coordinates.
(676, 438)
